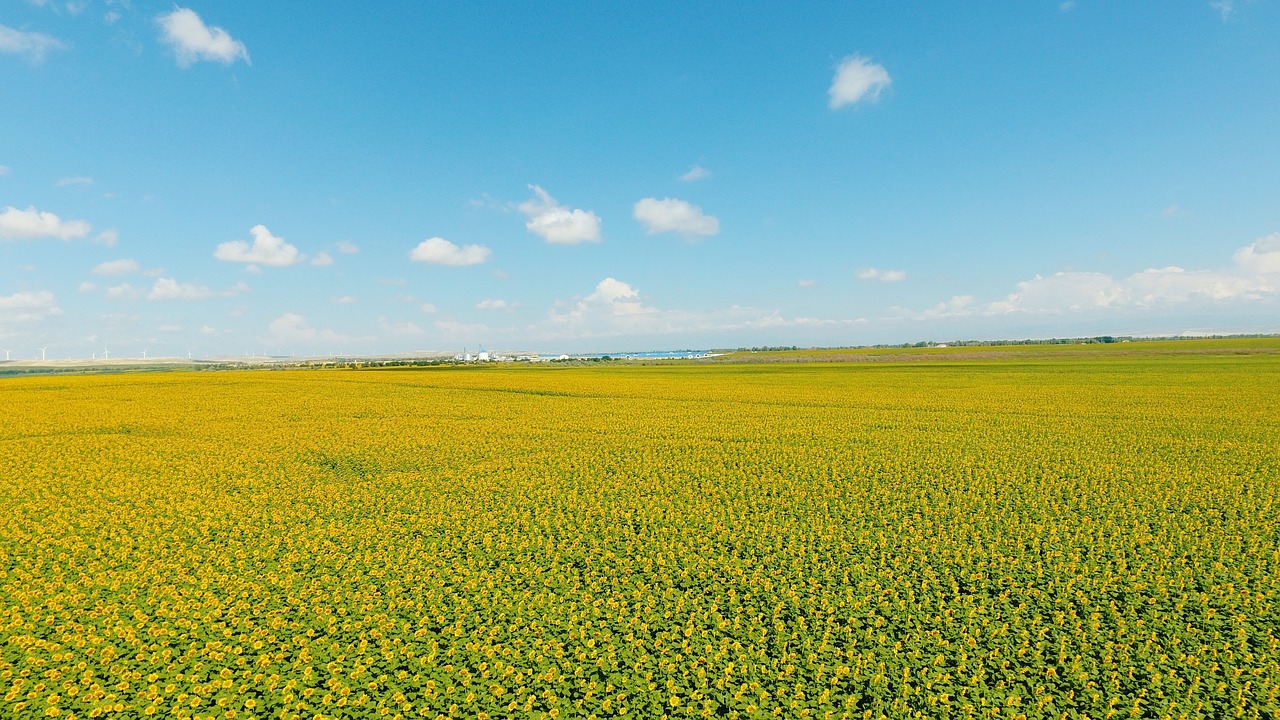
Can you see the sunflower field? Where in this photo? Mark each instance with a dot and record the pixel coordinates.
(1093, 536)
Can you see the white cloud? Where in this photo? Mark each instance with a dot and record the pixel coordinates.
(678, 216)
(495, 305)
(116, 267)
(68, 181)
(557, 223)
(1067, 5)
(1255, 277)
(322, 259)
(107, 238)
(346, 248)
(27, 307)
(615, 309)
(881, 275)
(29, 224)
(442, 252)
(267, 249)
(857, 79)
(292, 327)
(1224, 8)
(695, 173)
(428, 309)
(1172, 211)
(87, 286)
(193, 41)
(1262, 256)
(170, 289)
(807, 283)
(208, 330)
(123, 292)
(169, 328)
(33, 45)
(343, 300)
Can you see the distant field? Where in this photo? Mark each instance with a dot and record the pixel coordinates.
(1045, 533)
(1263, 345)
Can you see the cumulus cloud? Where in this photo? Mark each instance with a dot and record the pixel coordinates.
(1261, 256)
(428, 309)
(857, 79)
(439, 251)
(116, 267)
(322, 259)
(192, 40)
(346, 247)
(87, 286)
(31, 45)
(881, 275)
(343, 300)
(557, 223)
(678, 216)
(170, 289)
(695, 173)
(266, 249)
(27, 307)
(495, 304)
(108, 238)
(1255, 277)
(31, 224)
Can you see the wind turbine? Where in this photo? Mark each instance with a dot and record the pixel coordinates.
(144, 354)
(106, 354)
(6, 356)
(42, 351)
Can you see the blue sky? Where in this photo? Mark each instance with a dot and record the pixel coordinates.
(356, 178)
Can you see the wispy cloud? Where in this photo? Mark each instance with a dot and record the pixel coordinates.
(79, 180)
(695, 173)
(193, 41)
(557, 223)
(116, 267)
(27, 307)
(294, 328)
(857, 79)
(31, 45)
(878, 275)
